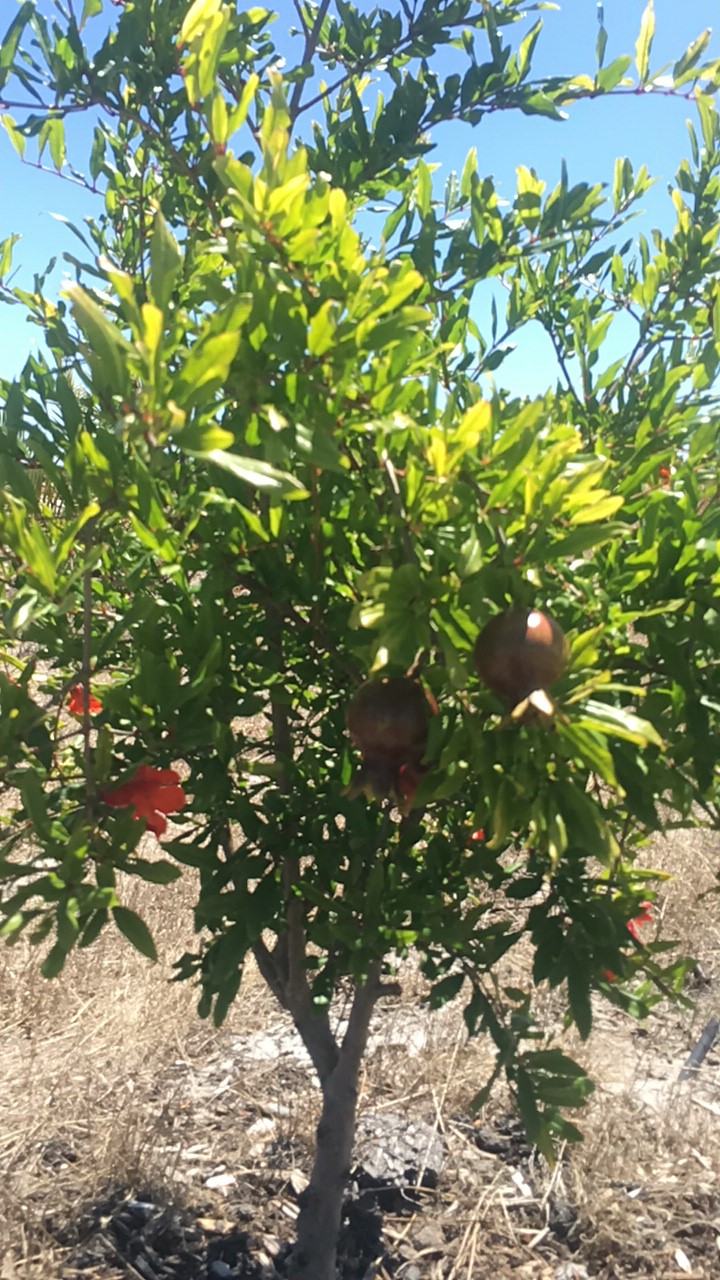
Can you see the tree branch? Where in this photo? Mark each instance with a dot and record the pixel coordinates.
(266, 963)
(561, 360)
(285, 967)
(355, 1039)
(311, 40)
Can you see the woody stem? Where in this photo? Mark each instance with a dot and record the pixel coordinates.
(85, 673)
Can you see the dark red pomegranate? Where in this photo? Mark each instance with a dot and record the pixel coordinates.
(388, 722)
(519, 651)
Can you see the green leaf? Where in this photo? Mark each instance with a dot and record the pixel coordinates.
(34, 800)
(589, 746)
(469, 172)
(52, 134)
(16, 137)
(598, 511)
(589, 535)
(206, 367)
(56, 142)
(610, 77)
(684, 68)
(225, 997)
(423, 188)
(11, 40)
(445, 990)
(219, 121)
(254, 472)
(197, 16)
(93, 928)
(708, 120)
(619, 722)
(135, 930)
(97, 154)
(322, 327)
(107, 343)
(91, 9)
(203, 438)
(601, 44)
(165, 262)
(6, 249)
(644, 41)
(527, 46)
(54, 961)
(541, 104)
(159, 872)
(558, 1080)
(579, 996)
(238, 115)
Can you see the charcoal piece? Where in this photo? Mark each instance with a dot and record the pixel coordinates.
(219, 1270)
(506, 1139)
(231, 1249)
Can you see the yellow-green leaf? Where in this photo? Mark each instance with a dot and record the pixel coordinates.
(219, 120)
(644, 41)
(198, 15)
(91, 8)
(6, 248)
(16, 137)
(238, 115)
(599, 511)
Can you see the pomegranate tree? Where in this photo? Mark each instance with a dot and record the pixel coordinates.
(279, 455)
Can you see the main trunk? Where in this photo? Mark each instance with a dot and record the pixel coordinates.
(318, 1224)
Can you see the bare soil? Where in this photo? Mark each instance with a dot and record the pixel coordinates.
(137, 1141)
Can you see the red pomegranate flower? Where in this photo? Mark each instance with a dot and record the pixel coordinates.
(633, 927)
(645, 917)
(76, 702)
(151, 793)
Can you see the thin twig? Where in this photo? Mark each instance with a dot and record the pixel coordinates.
(560, 359)
(399, 506)
(311, 40)
(86, 657)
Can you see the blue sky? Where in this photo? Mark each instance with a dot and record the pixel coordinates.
(650, 130)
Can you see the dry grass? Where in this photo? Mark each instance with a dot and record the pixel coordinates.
(110, 1087)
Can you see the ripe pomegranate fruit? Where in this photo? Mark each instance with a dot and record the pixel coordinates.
(519, 651)
(388, 722)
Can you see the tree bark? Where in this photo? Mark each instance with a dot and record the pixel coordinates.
(320, 1217)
